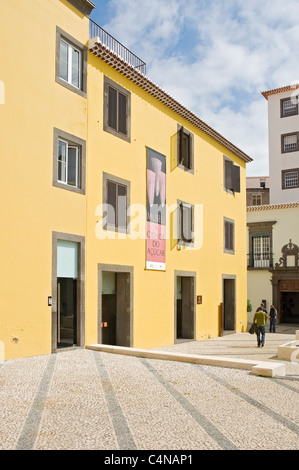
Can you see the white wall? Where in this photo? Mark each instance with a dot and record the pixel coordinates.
(279, 161)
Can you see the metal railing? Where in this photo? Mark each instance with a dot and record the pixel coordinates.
(115, 46)
(260, 260)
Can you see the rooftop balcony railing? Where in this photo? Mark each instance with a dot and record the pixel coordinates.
(95, 31)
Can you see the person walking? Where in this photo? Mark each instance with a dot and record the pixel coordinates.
(260, 319)
(273, 316)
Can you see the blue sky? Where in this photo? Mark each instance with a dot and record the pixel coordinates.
(215, 57)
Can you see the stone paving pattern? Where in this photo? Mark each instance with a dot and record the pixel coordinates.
(83, 399)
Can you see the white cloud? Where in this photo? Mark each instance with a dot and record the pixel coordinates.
(216, 58)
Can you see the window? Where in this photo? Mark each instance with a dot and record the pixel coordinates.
(117, 108)
(261, 251)
(290, 178)
(185, 148)
(116, 195)
(289, 142)
(69, 158)
(256, 199)
(289, 107)
(231, 176)
(229, 236)
(68, 163)
(185, 223)
(71, 63)
(260, 241)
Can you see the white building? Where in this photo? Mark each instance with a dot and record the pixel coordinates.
(273, 226)
(283, 133)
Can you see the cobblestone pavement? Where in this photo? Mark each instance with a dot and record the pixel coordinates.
(83, 399)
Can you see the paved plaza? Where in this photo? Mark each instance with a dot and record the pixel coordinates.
(84, 399)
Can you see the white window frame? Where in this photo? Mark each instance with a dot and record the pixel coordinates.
(67, 147)
(261, 251)
(71, 48)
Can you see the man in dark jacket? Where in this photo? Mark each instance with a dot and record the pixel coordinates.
(272, 316)
(260, 318)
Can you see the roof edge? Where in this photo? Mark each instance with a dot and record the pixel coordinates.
(120, 65)
(275, 91)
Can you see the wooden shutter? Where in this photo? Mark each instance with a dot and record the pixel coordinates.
(112, 108)
(229, 235)
(228, 168)
(122, 113)
(236, 178)
(111, 201)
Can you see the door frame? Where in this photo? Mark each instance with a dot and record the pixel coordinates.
(80, 240)
(117, 269)
(192, 275)
(231, 277)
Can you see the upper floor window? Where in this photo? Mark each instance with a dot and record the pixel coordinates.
(289, 106)
(68, 163)
(229, 236)
(69, 158)
(71, 63)
(290, 178)
(231, 176)
(185, 149)
(289, 142)
(116, 198)
(117, 109)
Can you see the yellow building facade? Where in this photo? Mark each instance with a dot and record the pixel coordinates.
(123, 214)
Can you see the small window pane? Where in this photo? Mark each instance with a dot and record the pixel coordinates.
(112, 97)
(122, 113)
(64, 51)
(62, 150)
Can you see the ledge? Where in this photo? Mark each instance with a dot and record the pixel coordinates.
(266, 369)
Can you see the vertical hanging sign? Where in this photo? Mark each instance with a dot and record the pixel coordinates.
(156, 210)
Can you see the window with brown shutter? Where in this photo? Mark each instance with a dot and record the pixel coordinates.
(229, 236)
(116, 199)
(185, 223)
(117, 109)
(185, 149)
(231, 176)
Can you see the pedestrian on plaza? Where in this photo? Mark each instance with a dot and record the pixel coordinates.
(272, 316)
(260, 319)
(262, 307)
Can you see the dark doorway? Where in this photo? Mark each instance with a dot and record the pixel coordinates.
(66, 312)
(185, 307)
(228, 304)
(116, 308)
(289, 307)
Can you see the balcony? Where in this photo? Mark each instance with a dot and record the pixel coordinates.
(260, 260)
(101, 39)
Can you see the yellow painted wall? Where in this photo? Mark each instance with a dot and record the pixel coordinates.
(155, 126)
(31, 207)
